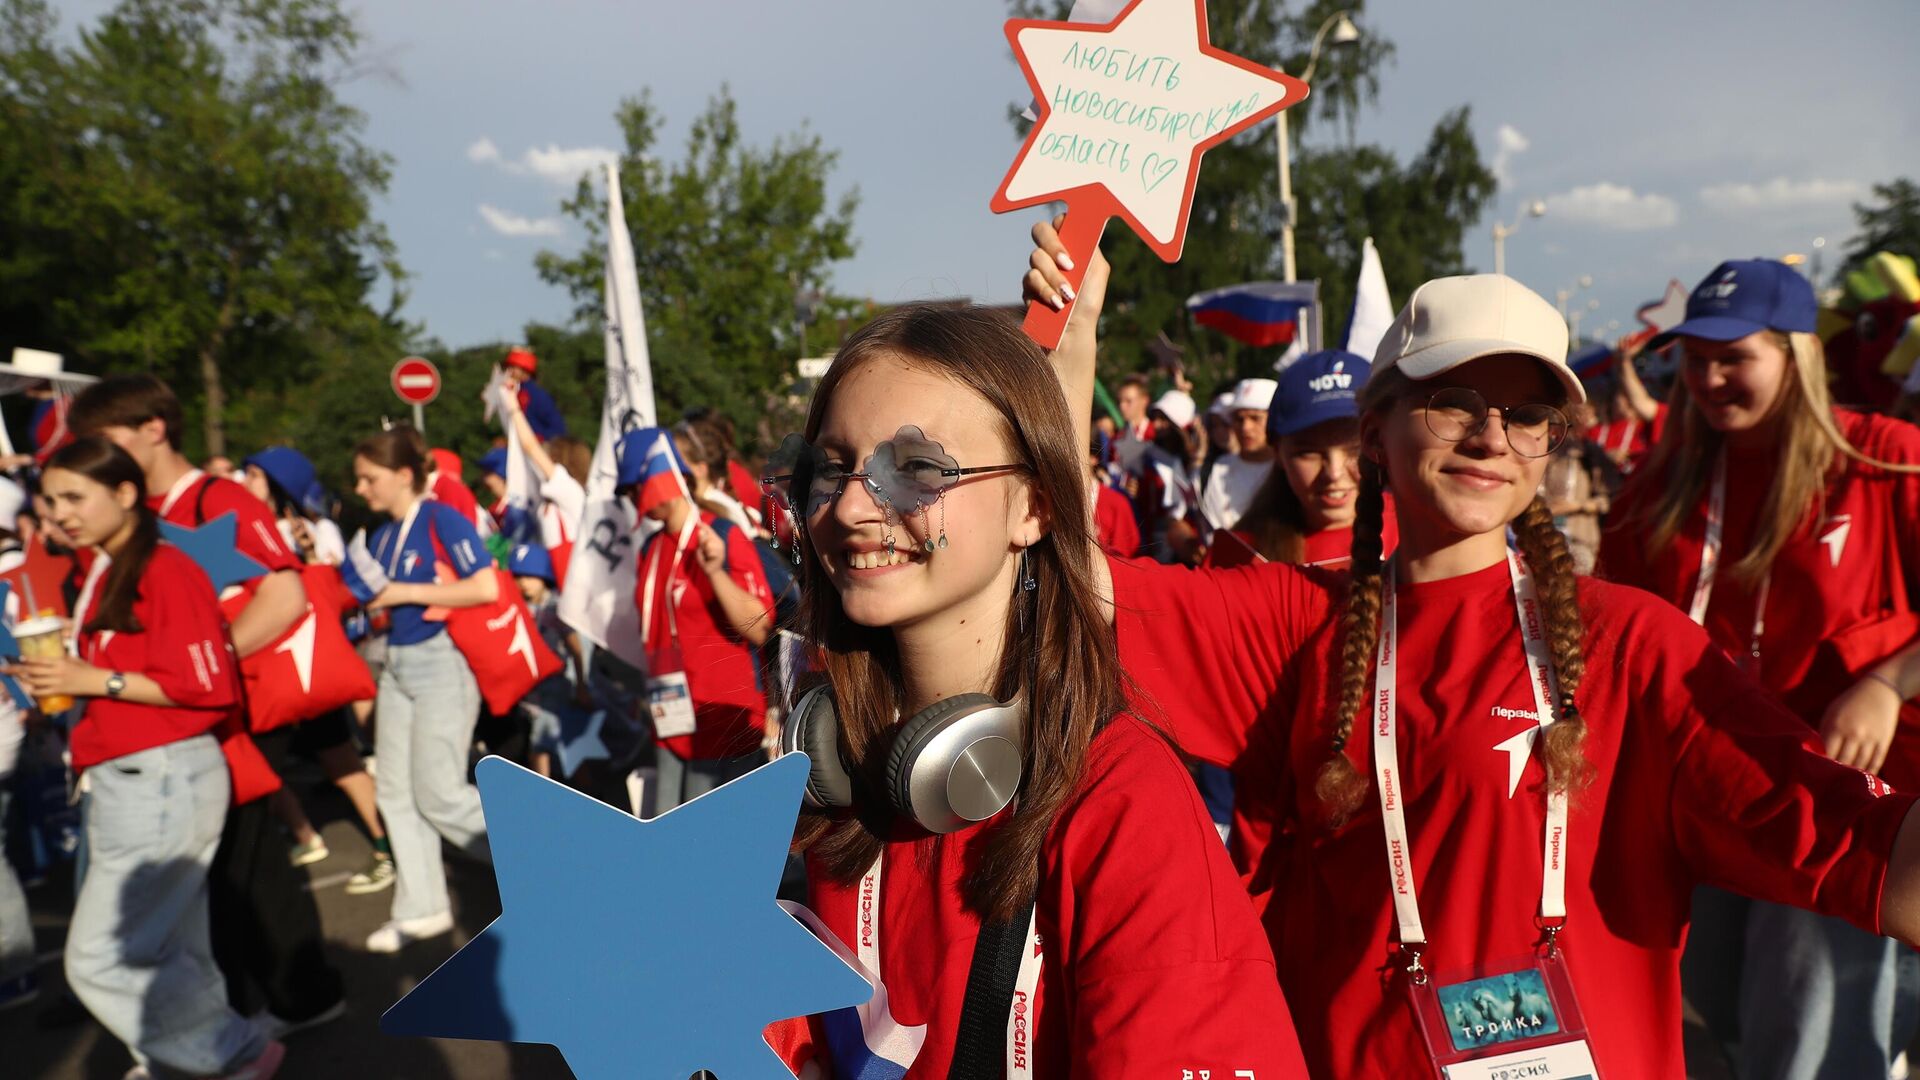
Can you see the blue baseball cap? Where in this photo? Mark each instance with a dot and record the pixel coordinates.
(1746, 296)
(495, 461)
(630, 454)
(1318, 387)
(293, 474)
(530, 560)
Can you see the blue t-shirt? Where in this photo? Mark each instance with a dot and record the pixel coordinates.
(411, 558)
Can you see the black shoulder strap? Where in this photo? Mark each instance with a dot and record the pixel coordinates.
(980, 1042)
(200, 502)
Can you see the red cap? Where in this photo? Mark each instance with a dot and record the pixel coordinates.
(522, 357)
(446, 461)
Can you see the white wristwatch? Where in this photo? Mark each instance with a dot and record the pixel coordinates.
(116, 684)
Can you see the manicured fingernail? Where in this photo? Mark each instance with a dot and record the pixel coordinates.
(1058, 304)
(1065, 260)
(1066, 290)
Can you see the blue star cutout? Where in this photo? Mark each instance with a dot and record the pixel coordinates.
(10, 649)
(638, 948)
(580, 740)
(211, 545)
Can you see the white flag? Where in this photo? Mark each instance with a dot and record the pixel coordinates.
(520, 518)
(1372, 307)
(598, 599)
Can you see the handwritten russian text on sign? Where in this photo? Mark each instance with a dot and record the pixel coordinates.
(1127, 110)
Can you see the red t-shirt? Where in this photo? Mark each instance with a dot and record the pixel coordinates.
(728, 706)
(1328, 547)
(1153, 962)
(1113, 521)
(1699, 777)
(1838, 603)
(1627, 439)
(183, 646)
(198, 498)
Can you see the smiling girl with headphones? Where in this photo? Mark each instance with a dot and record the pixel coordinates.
(1021, 867)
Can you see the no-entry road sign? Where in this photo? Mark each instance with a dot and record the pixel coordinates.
(416, 380)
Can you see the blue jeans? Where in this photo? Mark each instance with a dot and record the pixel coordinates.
(1821, 999)
(16, 926)
(138, 953)
(683, 780)
(427, 708)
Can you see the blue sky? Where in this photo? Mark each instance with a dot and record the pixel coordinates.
(1664, 136)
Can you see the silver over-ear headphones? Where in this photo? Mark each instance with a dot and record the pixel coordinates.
(952, 764)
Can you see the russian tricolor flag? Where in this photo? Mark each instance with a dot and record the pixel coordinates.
(1258, 312)
(651, 465)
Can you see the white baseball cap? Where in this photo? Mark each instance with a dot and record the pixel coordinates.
(1253, 394)
(1177, 406)
(1222, 405)
(1451, 320)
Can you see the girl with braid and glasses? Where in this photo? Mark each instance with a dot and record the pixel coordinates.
(1486, 787)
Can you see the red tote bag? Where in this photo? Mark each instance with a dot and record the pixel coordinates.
(312, 669)
(507, 654)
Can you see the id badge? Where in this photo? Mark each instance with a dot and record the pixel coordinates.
(1505, 1020)
(669, 701)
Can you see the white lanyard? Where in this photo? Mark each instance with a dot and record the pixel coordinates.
(400, 540)
(179, 489)
(1711, 550)
(94, 573)
(1626, 436)
(866, 935)
(1386, 764)
(646, 591)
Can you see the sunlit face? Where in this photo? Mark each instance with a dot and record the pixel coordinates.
(513, 376)
(1322, 466)
(386, 491)
(987, 517)
(87, 511)
(1735, 384)
(138, 442)
(1250, 430)
(255, 480)
(1133, 403)
(1474, 486)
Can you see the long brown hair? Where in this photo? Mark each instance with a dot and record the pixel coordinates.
(106, 464)
(1810, 445)
(1276, 522)
(1339, 786)
(1065, 663)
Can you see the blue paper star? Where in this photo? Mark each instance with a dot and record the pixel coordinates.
(580, 740)
(211, 545)
(650, 948)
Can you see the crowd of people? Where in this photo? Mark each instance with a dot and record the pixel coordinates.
(1494, 679)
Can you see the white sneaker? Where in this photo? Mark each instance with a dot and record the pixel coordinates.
(398, 933)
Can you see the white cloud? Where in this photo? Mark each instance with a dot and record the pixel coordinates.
(507, 223)
(554, 163)
(483, 151)
(1508, 143)
(1780, 193)
(1613, 206)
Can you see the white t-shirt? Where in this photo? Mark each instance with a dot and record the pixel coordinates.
(1231, 487)
(564, 503)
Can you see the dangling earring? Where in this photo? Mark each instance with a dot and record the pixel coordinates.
(1027, 585)
(886, 510)
(793, 526)
(943, 519)
(927, 527)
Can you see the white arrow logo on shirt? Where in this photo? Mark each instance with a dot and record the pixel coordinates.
(1836, 538)
(1518, 749)
(523, 644)
(299, 645)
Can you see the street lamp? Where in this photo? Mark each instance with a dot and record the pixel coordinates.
(1343, 32)
(1501, 231)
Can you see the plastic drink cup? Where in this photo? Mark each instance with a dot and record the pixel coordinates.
(40, 639)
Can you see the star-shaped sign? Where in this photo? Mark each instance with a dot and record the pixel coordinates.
(211, 545)
(1667, 312)
(580, 740)
(1127, 110)
(627, 977)
(10, 649)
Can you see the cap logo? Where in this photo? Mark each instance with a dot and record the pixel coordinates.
(1721, 289)
(1332, 380)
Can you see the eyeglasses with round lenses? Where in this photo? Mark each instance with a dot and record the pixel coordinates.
(1533, 430)
(907, 473)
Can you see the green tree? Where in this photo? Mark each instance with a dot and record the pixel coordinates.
(189, 196)
(1416, 211)
(1891, 224)
(726, 238)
